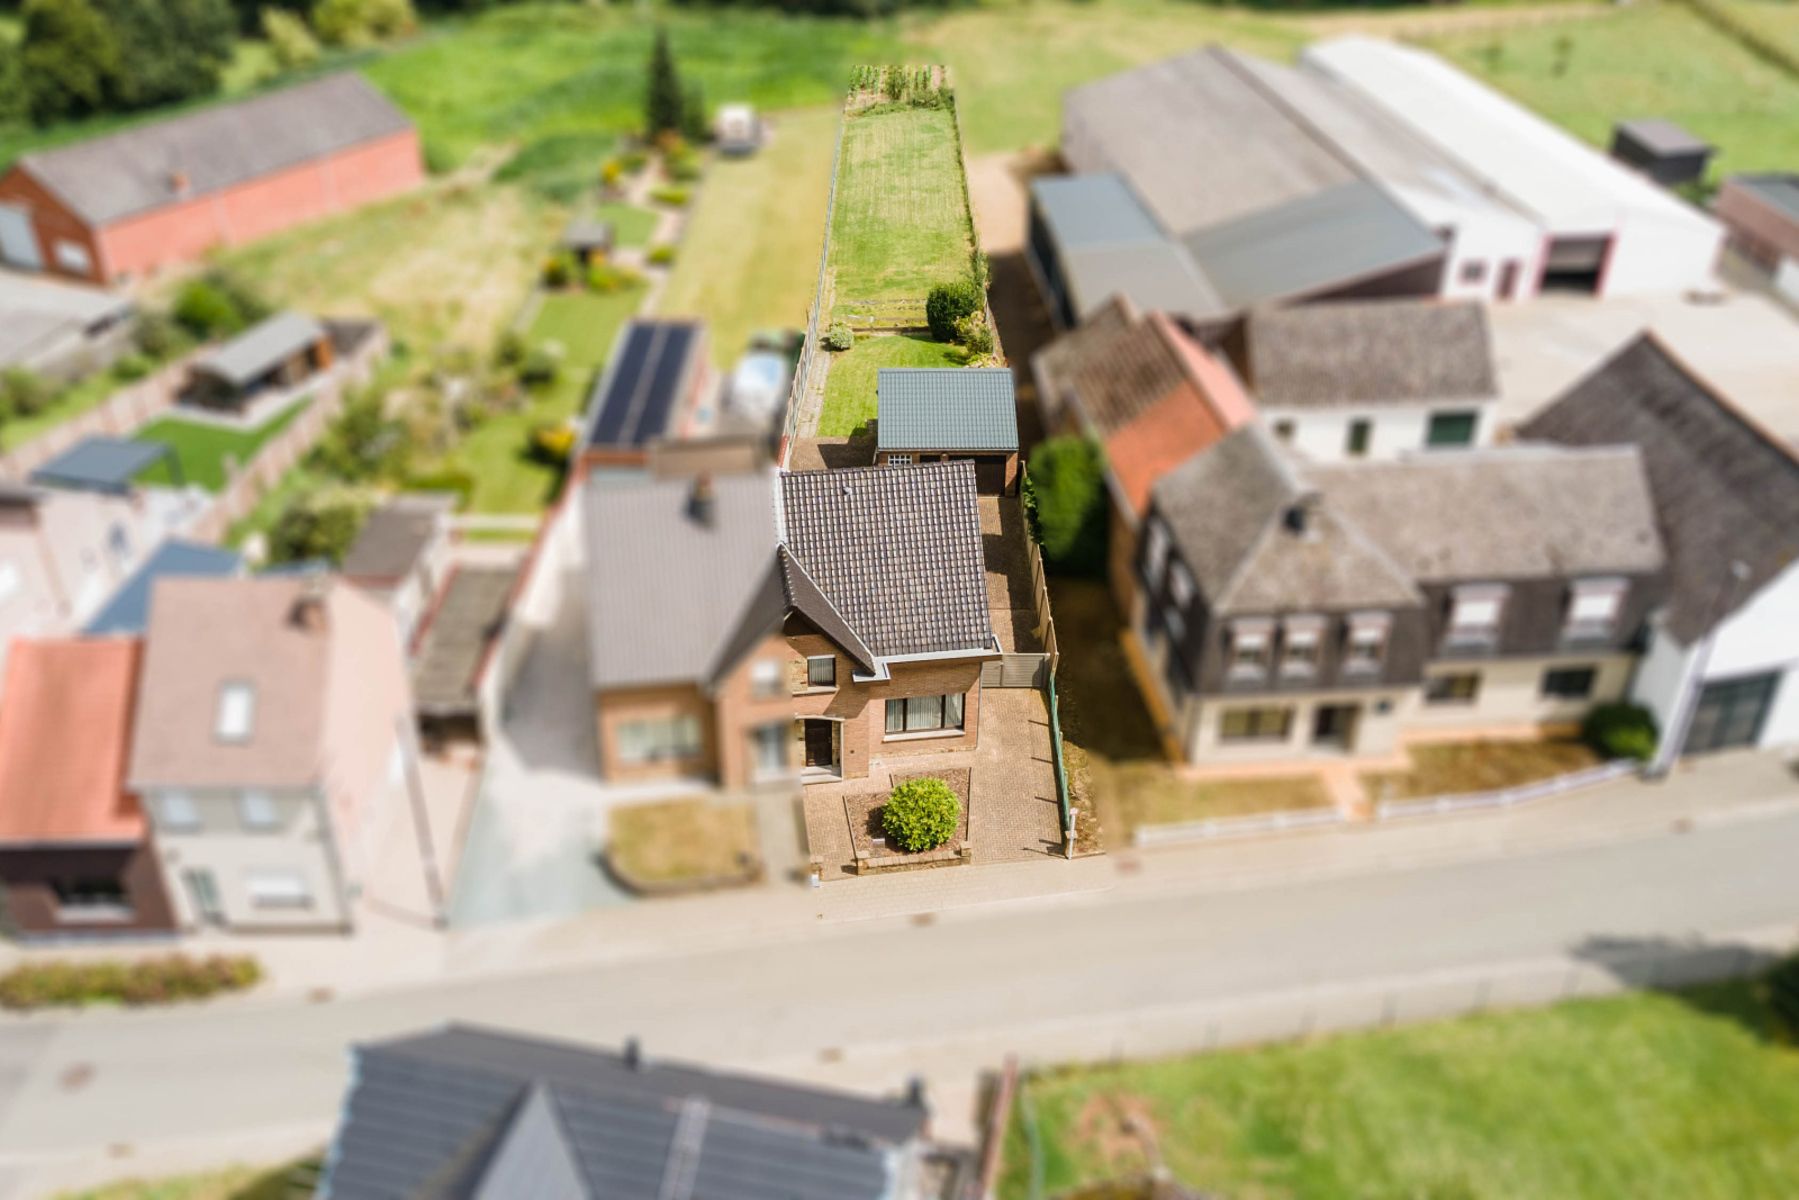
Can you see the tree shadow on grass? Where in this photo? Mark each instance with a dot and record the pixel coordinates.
(1719, 978)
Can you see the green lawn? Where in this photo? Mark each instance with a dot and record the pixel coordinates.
(631, 226)
(203, 449)
(1645, 60)
(1776, 20)
(507, 479)
(1646, 1096)
(850, 401)
(749, 257)
(901, 224)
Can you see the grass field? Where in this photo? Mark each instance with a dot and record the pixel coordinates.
(203, 449)
(631, 226)
(749, 257)
(1658, 1096)
(901, 224)
(1776, 20)
(1645, 60)
(850, 400)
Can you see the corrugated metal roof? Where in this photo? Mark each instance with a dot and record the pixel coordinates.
(165, 162)
(946, 408)
(261, 348)
(1086, 211)
(102, 464)
(1317, 243)
(1108, 245)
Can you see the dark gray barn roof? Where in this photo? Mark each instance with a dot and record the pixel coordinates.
(138, 169)
(1367, 352)
(104, 464)
(261, 348)
(1107, 245)
(467, 1113)
(946, 408)
(1725, 489)
(1660, 137)
(1780, 190)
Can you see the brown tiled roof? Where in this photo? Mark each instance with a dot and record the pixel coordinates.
(1368, 351)
(1725, 489)
(897, 550)
(65, 727)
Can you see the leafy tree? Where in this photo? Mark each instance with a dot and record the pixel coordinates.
(68, 58)
(319, 524)
(921, 814)
(664, 102)
(290, 39)
(694, 125)
(362, 22)
(169, 50)
(15, 106)
(1783, 994)
(1066, 504)
(363, 443)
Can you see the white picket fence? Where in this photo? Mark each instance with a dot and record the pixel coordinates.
(1228, 827)
(1387, 810)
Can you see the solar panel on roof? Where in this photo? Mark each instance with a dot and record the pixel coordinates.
(642, 390)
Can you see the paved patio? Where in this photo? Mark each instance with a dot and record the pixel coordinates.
(1013, 815)
(1005, 543)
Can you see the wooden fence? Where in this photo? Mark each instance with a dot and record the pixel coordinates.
(122, 413)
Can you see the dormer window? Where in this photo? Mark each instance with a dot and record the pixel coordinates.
(1155, 551)
(1593, 607)
(1474, 614)
(235, 716)
(1365, 648)
(1300, 638)
(1249, 648)
(1180, 585)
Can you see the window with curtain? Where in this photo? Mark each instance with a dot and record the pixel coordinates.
(922, 714)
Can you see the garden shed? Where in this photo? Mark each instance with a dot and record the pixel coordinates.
(282, 352)
(588, 238)
(1661, 150)
(934, 414)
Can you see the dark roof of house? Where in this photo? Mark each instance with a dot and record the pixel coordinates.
(1725, 489)
(946, 408)
(454, 642)
(390, 542)
(261, 348)
(467, 1113)
(1368, 351)
(1659, 136)
(128, 612)
(898, 552)
(638, 398)
(1231, 509)
(1108, 245)
(1513, 512)
(102, 464)
(1311, 244)
(142, 168)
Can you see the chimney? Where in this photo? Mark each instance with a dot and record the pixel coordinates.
(633, 1054)
(701, 502)
(1302, 515)
(309, 606)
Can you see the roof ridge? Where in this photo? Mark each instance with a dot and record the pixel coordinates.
(1706, 387)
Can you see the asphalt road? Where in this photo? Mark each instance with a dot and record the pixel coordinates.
(862, 1003)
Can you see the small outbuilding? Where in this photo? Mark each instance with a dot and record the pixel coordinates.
(588, 239)
(933, 414)
(1661, 150)
(108, 465)
(280, 353)
(738, 129)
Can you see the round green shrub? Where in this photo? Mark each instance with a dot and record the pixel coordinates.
(1065, 505)
(948, 303)
(921, 814)
(840, 337)
(1620, 731)
(974, 332)
(206, 310)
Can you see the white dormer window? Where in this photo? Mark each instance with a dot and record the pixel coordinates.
(1156, 553)
(1300, 637)
(1593, 606)
(1475, 612)
(1250, 648)
(235, 716)
(1366, 646)
(1180, 586)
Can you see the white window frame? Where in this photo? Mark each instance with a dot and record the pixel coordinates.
(951, 715)
(176, 812)
(72, 256)
(1305, 634)
(11, 579)
(659, 739)
(234, 722)
(258, 811)
(1476, 599)
(899, 460)
(277, 887)
(1365, 648)
(828, 659)
(1606, 596)
(1255, 634)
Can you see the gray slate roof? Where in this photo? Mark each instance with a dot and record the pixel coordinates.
(261, 348)
(1661, 136)
(898, 552)
(946, 408)
(1368, 352)
(395, 534)
(1227, 510)
(1108, 245)
(103, 464)
(120, 174)
(666, 590)
(1501, 514)
(465, 1113)
(466, 619)
(1777, 189)
(1725, 490)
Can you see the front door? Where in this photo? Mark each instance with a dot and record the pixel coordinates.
(1334, 724)
(818, 745)
(1731, 712)
(203, 890)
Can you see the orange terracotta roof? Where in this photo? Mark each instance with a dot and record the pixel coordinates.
(65, 726)
(1160, 439)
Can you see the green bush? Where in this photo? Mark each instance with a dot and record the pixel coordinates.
(608, 277)
(291, 43)
(24, 393)
(206, 311)
(558, 270)
(362, 22)
(673, 195)
(661, 254)
(509, 351)
(684, 167)
(974, 332)
(541, 365)
(1783, 994)
(552, 444)
(163, 980)
(948, 303)
(921, 814)
(1620, 731)
(319, 524)
(1065, 504)
(634, 161)
(444, 479)
(840, 337)
(157, 335)
(132, 367)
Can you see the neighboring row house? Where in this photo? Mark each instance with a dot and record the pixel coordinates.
(167, 191)
(750, 627)
(1292, 609)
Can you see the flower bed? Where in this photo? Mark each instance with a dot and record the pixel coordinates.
(167, 980)
(863, 812)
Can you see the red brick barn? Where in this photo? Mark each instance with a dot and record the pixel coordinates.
(124, 205)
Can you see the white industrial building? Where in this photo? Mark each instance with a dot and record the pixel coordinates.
(1602, 228)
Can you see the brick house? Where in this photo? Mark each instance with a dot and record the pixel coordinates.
(752, 627)
(162, 193)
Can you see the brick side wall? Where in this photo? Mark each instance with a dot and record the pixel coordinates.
(862, 706)
(1756, 227)
(52, 221)
(620, 705)
(740, 711)
(184, 231)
